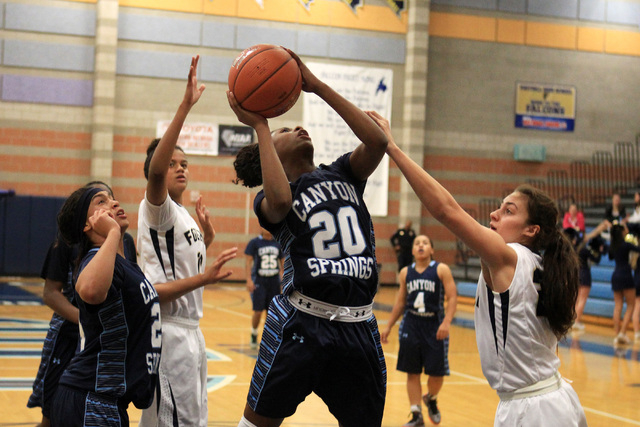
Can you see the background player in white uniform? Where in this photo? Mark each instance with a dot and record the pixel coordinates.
(524, 302)
(173, 249)
(424, 332)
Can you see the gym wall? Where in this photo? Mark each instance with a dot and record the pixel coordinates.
(55, 100)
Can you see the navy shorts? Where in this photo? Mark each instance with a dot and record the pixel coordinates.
(622, 279)
(58, 350)
(341, 362)
(263, 294)
(75, 408)
(419, 348)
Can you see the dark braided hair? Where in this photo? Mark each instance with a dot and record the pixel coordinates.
(560, 280)
(247, 166)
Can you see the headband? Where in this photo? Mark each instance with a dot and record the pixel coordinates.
(80, 218)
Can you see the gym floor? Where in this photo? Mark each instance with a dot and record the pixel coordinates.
(607, 379)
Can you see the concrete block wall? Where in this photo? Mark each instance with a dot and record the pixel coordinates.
(476, 53)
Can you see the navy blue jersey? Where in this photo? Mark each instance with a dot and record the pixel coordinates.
(120, 339)
(129, 248)
(585, 254)
(327, 237)
(425, 292)
(266, 255)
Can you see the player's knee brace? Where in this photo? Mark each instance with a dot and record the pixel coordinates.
(246, 423)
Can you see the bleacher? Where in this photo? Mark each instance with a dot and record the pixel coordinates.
(599, 306)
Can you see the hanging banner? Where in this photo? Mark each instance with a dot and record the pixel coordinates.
(306, 3)
(195, 138)
(367, 88)
(397, 6)
(545, 107)
(354, 4)
(233, 138)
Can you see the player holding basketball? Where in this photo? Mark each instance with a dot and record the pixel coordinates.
(424, 331)
(320, 335)
(173, 253)
(525, 301)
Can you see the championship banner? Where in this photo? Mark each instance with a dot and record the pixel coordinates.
(367, 88)
(233, 138)
(195, 138)
(545, 107)
(397, 6)
(306, 4)
(354, 4)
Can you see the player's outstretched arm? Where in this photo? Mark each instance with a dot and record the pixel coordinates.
(367, 156)
(277, 192)
(398, 306)
(440, 203)
(171, 291)
(159, 166)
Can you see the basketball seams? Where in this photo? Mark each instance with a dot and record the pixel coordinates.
(291, 102)
(246, 60)
(264, 80)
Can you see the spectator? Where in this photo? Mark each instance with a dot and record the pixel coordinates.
(573, 218)
(615, 213)
(402, 242)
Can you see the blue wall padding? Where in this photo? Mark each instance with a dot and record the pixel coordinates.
(28, 228)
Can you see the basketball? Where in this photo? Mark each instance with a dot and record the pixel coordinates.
(266, 80)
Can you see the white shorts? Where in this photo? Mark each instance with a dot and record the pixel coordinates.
(557, 408)
(183, 366)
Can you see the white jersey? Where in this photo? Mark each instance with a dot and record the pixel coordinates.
(171, 247)
(517, 348)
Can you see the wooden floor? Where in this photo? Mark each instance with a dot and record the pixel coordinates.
(607, 380)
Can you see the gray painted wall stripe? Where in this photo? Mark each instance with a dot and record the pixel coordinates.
(159, 29)
(361, 48)
(219, 34)
(152, 64)
(248, 36)
(592, 10)
(46, 19)
(20, 53)
(559, 9)
(621, 12)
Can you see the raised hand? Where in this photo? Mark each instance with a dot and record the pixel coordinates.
(310, 82)
(193, 92)
(213, 273)
(244, 116)
(102, 222)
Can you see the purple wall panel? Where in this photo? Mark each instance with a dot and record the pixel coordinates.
(45, 90)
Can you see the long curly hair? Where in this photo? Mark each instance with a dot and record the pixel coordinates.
(247, 166)
(560, 279)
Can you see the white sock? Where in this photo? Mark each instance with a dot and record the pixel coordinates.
(433, 397)
(254, 331)
(246, 423)
(416, 408)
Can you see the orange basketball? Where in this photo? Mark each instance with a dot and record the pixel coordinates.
(266, 80)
